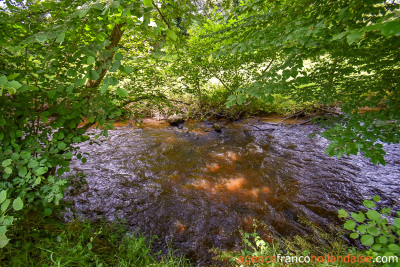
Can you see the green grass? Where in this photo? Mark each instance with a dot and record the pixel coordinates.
(38, 241)
(318, 243)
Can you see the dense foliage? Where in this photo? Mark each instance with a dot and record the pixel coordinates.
(54, 57)
(374, 229)
(343, 53)
(68, 65)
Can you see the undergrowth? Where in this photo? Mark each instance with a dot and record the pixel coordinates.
(320, 242)
(212, 104)
(46, 241)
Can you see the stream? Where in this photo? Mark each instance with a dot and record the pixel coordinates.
(196, 188)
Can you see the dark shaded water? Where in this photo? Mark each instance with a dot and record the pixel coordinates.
(196, 188)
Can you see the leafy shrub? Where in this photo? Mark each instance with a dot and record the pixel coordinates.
(377, 230)
(7, 220)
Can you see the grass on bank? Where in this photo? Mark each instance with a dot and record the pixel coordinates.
(319, 242)
(46, 241)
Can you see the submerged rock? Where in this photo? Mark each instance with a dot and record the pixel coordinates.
(217, 127)
(175, 120)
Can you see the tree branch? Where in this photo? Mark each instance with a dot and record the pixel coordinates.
(115, 38)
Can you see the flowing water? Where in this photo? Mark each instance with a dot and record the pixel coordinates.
(195, 188)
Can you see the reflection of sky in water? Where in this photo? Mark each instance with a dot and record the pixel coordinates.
(198, 188)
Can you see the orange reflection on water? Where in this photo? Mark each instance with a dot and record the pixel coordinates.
(213, 167)
(180, 226)
(235, 184)
(229, 156)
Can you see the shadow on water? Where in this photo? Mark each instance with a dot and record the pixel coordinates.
(196, 188)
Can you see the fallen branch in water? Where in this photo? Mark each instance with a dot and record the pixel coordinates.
(298, 113)
(259, 129)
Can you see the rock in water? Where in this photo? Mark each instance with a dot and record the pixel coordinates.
(217, 127)
(175, 120)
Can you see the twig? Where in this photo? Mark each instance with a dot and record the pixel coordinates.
(259, 129)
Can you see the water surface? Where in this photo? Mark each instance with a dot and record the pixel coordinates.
(196, 188)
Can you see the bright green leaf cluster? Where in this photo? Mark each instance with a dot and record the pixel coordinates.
(378, 230)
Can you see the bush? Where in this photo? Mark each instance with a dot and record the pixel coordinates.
(379, 231)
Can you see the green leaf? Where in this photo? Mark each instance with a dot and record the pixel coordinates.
(52, 93)
(394, 248)
(18, 204)
(354, 235)
(62, 146)
(376, 198)
(391, 28)
(98, 6)
(360, 217)
(3, 240)
(32, 164)
(115, 4)
(6, 162)
(82, 12)
(354, 36)
(3, 196)
(377, 247)
(367, 240)
(147, 2)
(22, 171)
(3, 229)
(94, 75)
(115, 66)
(3, 80)
(47, 212)
(121, 92)
(343, 213)
(41, 170)
(349, 225)
(369, 204)
(104, 88)
(12, 76)
(61, 37)
(373, 215)
(38, 180)
(396, 222)
(90, 60)
(362, 228)
(8, 170)
(68, 155)
(172, 35)
(25, 155)
(382, 240)
(18, 133)
(339, 36)
(5, 205)
(118, 56)
(13, 84)
(42, 38)
(372, 230)
(386, 210)
(128, 69)
(60, 171)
